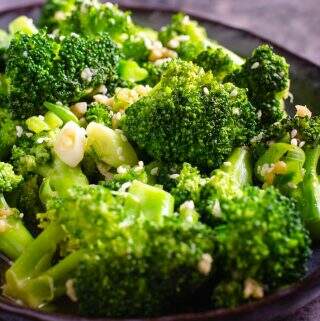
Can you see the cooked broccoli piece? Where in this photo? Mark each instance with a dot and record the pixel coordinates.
(54, 12)
(218, 61)
(92, 18)
(188, 117)
(155, 72)
(184, 35)
(291, 164)
(99, 113)
(126, 175)
(226, 182)
(168, 257)
(34, 155)
(41, 69)
(135, 48)
(183, 181)
(261, 246)
(14, 237)
(8, 132)
(266, 76)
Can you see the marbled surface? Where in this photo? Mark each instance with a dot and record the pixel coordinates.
(294, 24)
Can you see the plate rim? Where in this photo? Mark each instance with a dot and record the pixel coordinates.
(307, 287)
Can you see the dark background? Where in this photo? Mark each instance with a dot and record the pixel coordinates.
(294, 24)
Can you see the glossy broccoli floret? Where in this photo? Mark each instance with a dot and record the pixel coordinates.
(184, 35)
(155, 72)
(62, 70)
(266, 75)
(218, 61)
(262, 246)
(8, 132)
(99, 113)
(188, 117)
(14, 237)
(99, 241)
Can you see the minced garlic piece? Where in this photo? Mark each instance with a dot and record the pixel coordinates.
(252, 289)
(303, 111)
(205, 264)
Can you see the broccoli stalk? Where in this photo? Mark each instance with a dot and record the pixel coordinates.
(14, 237)
(308, 193)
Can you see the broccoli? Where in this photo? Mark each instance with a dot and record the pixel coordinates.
(92, 18)
(226, 182)
(184, 35)
(261, 246)
(291, 164)
(266, 76)
(188, 117)
(126, 175)
(8, 132)
(54, 12)
(35, 155)
(218, 61)
(155, 72)
(14, 237)
(64, 69)
(168, 257)
(99, 113)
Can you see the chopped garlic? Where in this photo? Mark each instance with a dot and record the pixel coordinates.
(79, 109)
(104, 100)
(87, 74)
(255, 65)
(252, 289)
(70, 144)
(303, 111)
(205, 264)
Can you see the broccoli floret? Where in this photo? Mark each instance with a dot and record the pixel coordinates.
(162, 249)
(182, 181)
(217, 61)
(188, 117)
(124, 175)
(155, 72)
(54, 12)
(135, 48)
(184, 35)
(266, 75)
(61, 70)
(8, 132)
(262, 246)
(291, 164)
(226, 182)
(92, 18)
(34, 155)
(99, 113)
(14, 237)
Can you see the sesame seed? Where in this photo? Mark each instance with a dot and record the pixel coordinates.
(70, 290)
(294, 142)
(290, 96)
(294, 133)
(292, 185)
(187, 205)
(174, 176)
(206, 91)
(174, 43)
(19, 131)
(255, 65)
(228, 164)
(259, 114)
(302, 144)
(216, 209)
(154, 171)
(234, 92)
(140, 164)
(124, 187)
(122, 169)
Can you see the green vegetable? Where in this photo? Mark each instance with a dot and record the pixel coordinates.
(130, 71)
(14, 237)
(188, 117)
(65, 69)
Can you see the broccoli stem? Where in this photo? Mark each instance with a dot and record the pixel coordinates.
(310, 192)
(232, 55)
(51, 284)
(34, 260)
(239, 166)
(14, 237)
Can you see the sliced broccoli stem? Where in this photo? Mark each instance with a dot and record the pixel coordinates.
(310, 191)
(239, 166)
(14, 237)
(34, 260)
(51, 284)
